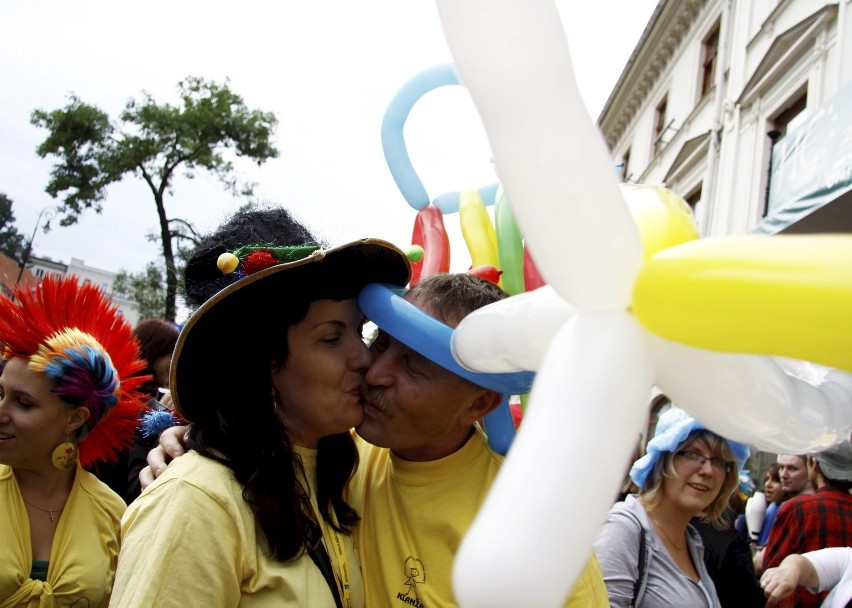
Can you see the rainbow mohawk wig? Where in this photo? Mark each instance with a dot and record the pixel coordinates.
(74, 335)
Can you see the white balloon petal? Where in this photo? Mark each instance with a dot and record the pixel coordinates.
(510, 335)
(753, 400)
(551, 159)
(591, 390)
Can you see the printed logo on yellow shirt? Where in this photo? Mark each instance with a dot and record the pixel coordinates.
(415, 574)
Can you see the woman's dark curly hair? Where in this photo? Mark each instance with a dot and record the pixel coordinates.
(252, 225)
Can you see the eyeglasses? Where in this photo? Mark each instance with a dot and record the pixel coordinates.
(696, 460)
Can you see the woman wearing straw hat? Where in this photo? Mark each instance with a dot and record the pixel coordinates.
(68, 388)
(268, 372)
(649, 554)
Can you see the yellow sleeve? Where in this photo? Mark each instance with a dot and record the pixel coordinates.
(180, 547)
(589, 591)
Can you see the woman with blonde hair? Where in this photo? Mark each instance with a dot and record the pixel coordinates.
(649, 554)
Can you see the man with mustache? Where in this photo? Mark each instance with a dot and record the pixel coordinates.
(426, 467)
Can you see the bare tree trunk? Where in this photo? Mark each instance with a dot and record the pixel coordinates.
(169, 257)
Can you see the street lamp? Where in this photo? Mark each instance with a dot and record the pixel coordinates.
(50, 214)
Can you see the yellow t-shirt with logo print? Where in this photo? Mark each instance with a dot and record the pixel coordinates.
(413, 518)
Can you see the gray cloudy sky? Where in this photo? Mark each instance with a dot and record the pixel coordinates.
(327, 68)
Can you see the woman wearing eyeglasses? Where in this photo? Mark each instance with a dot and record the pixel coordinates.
(649, 554)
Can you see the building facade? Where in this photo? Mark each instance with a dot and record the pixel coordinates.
(42, 267)
(744, 108)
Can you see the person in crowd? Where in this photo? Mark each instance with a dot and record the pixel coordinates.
(649, 553)
(818, 571)
(157, 339)
(69, 396)
(425, 462)
(775, 496)
(793, 474)
(727, 555)
(426, 466)
(815, 521)
(269, 373)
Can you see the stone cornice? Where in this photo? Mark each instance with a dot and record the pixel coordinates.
(661, 40)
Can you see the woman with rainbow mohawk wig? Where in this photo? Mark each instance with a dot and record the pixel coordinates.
(68, 399)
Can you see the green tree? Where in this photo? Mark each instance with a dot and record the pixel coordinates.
(11, 241)
(153, 142)
(145, 288)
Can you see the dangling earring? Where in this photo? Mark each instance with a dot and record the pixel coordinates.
(65, 455)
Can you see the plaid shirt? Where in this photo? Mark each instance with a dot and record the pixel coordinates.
(807, 523)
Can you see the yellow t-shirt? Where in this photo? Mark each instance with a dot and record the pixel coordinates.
(190, 540)
(413, 518)
(83, 554)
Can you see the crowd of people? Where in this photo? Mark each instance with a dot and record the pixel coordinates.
(310, 468)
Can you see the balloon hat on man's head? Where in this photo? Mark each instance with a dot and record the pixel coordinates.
(74, 335)
(386, 307)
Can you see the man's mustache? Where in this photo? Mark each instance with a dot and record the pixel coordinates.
(376, 398)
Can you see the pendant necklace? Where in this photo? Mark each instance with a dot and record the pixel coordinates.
(666, 534)
(51, 513)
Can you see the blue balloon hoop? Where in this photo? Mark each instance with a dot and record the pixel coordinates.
(396, 152)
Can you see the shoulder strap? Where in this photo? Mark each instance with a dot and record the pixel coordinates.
(315, 548)
(639, 585)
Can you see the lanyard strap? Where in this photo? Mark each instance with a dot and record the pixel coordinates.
(343, 581)
(340, 585)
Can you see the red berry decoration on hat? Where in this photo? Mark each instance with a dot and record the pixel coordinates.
(257, 261)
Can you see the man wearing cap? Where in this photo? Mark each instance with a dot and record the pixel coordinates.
(815, 521)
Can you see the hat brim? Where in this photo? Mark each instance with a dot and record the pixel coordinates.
(236, 319)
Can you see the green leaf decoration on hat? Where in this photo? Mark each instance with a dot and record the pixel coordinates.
(254, 258)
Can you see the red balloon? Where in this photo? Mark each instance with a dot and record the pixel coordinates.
(489, 273)
(429, 233)
(532, 278)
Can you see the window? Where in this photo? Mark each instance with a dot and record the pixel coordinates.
(791, 114)
(659, 126)
(693, 198)
(709, 58)
(625, 163)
